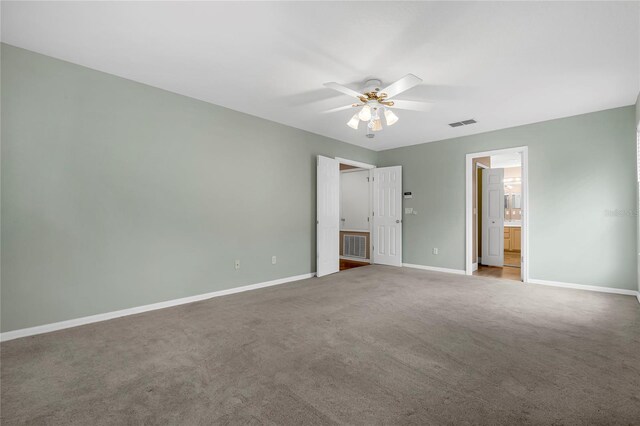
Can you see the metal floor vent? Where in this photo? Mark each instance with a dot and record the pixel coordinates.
(354, 246)
(463, 123)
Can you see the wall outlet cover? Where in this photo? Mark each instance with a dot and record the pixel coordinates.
(273, 260)
(435, 250)
(237, 264)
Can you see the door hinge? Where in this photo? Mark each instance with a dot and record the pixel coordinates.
(367, 179)
(367, 219)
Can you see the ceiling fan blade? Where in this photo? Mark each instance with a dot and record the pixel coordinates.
(342, 89)
(412, 105)
(405, 83)
(342, 108)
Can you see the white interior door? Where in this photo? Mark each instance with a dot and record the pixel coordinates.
(328, 216)
(493, 217)
(387, 216)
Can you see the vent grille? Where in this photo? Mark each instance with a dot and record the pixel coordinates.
(354, 246)
(463, 123)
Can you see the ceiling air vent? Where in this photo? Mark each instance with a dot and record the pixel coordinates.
(463, 123)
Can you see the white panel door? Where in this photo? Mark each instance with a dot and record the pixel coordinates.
(493, 217)
(328, 217)
(387, 216)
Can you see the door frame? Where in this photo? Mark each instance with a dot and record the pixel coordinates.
(476, 264)
(369, 167)
(354, 163)
(524, 152)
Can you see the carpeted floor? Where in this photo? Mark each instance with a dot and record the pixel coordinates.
(371, 345)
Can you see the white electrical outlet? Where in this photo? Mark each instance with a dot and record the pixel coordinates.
(237, 263)
(435, 250)
(273, 260)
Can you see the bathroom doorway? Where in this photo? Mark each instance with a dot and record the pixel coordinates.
(497, 214)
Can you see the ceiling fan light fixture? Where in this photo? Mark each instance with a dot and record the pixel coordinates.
(375, 102)
(365, 113)
(390, 117)
(353, 123)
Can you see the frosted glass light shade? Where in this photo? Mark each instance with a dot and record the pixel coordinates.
(391, 117)
(353, 123)
(365, 113)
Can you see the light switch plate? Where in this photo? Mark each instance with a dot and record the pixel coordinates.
(408, 210)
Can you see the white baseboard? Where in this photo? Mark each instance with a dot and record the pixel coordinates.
(435, 268)
(46, 328)
(474, 267)
(539, 282)
(584, 287)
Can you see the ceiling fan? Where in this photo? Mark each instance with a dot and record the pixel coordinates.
(373, 100)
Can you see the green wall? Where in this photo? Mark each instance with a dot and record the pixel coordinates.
(581, 193)
(116, 194)
(638, 189)
(638, 111)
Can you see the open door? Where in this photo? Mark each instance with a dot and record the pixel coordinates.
(493, 217)
(328, 217)
(387, 215)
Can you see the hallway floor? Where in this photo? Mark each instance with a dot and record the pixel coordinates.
(505, 272)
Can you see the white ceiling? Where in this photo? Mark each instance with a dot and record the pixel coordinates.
(503, 64)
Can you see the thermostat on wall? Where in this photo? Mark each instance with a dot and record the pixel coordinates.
(408, 195)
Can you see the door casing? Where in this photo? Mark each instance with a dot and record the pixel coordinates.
(371, 228)
(526, 256)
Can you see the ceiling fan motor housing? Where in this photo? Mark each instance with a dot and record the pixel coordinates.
(372, 85)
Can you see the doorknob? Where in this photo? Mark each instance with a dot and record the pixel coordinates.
(397, 221)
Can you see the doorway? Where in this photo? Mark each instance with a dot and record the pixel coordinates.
(497, 214)
(384, 189)
(355, 217)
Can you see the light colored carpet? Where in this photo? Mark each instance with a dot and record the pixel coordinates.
(370, 345)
